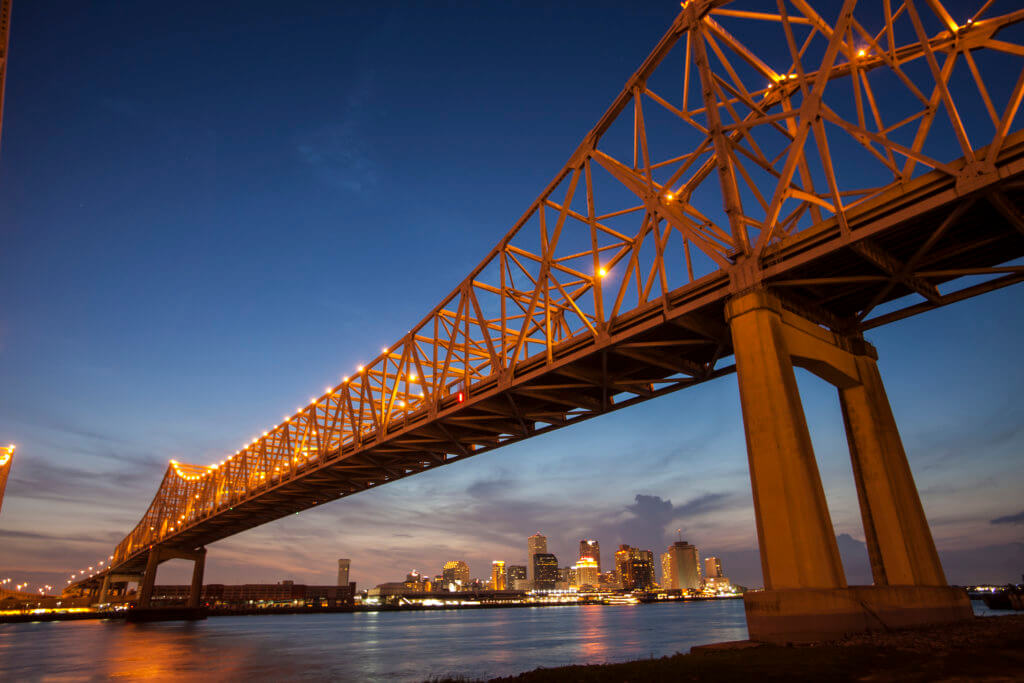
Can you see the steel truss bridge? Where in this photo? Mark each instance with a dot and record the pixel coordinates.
(862, 168)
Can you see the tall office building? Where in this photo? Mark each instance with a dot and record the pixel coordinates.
(635, 567)
(587, 572)
(343, 567)
(538, 543)
(712, 568)
(668, 579)
(545, 571)
(499, 581)
(455, 571)
(516, 574)
(683, 568)
(592, 549)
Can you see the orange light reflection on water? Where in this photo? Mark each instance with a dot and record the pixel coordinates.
(594, 647)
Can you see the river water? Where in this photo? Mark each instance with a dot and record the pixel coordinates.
(360, 646)
(365, 646)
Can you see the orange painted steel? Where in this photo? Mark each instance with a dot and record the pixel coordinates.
(6, 463)
(869, 169)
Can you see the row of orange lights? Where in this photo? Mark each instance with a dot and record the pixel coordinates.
(412, 377)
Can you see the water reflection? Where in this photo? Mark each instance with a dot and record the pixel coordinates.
(363, 646)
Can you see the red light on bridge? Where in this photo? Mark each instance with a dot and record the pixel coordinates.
(460, 397)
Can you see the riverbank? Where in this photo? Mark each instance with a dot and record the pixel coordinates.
(986, 648)
(34, 616)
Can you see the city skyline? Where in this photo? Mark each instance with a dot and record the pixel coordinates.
(129, 293)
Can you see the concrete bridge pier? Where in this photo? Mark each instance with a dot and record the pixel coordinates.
(806, 596)
(110, 581)
(157, 555)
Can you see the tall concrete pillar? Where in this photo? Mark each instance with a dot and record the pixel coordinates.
(104, 589)
(806, 596)
(196, 592)
(149, 579)
(900, 543)
(794, 529)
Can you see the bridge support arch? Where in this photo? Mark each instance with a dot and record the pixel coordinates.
(806, 596)
(158, 555)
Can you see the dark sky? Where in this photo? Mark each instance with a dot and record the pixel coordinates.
(209, 211)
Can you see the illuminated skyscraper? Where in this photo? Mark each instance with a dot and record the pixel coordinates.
(498, 578)
(545, 571)
(457, 572)
(635, 567)
(712, 568)
(6, 461)
(668, 579)
(343, 567)
(592, 549)
(587, 573)
(538, 543)
(516, 574)
(683, 568)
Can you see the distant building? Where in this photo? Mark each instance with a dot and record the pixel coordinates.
(712, 568)
(538, 543)
(680, 568)
(545, 571)
(417, 581)
(586, 573)
(592, 549)
(668, 579)
(635, 568)
(282, 594)
(516, 577)
(499, 580)
(457, 572)
(609, 581)
(343, 567)
(718, 584)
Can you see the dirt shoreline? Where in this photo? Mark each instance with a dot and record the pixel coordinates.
(984, 649)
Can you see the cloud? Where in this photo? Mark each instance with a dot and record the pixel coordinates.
(1010, 519)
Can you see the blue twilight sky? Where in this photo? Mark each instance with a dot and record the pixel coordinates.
(209, 211)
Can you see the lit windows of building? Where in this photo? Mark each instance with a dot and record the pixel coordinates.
(592, 549)
(635, 567)
(538, 543)
(516, 577)
(499, 580)
(455, 572)
(668, 579)
(683, 568)
(545, 571)
(343, 568)
(712, 568)
(587, 573)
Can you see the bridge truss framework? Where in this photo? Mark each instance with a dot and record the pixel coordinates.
(846, 173)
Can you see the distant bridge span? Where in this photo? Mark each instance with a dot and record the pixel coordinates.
(766, 204)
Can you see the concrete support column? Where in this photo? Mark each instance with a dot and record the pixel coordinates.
(148, 579)
(899, 541)
(196, 592)
(794, 529)
(104, 589)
